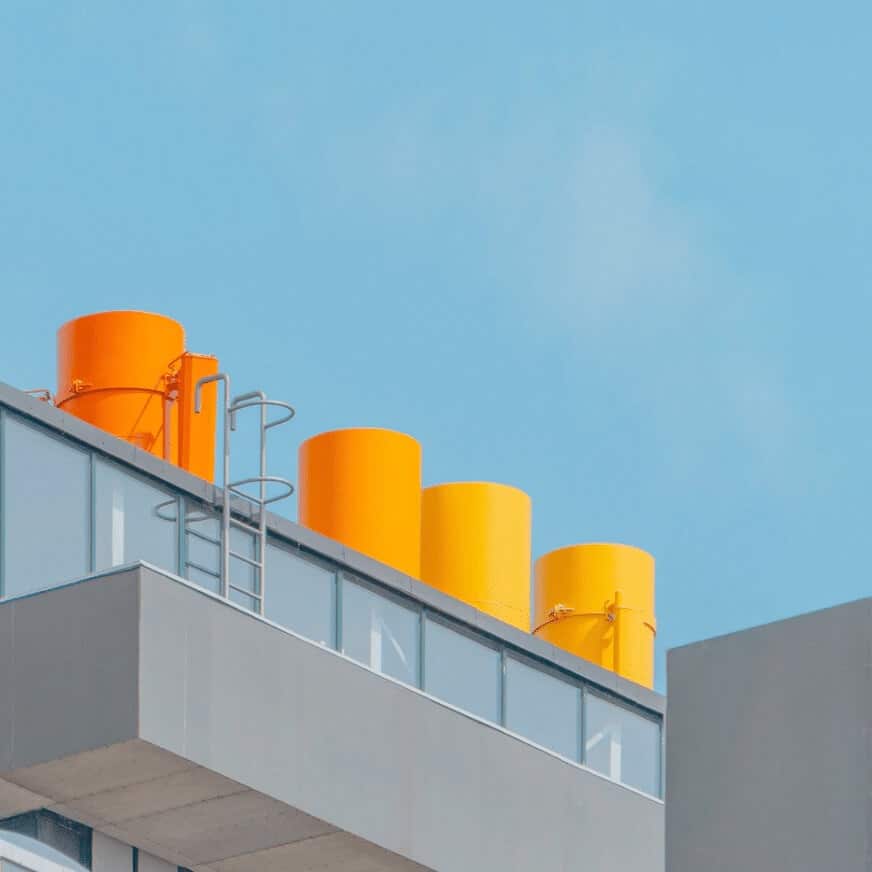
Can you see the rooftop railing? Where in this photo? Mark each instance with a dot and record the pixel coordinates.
(67, 509)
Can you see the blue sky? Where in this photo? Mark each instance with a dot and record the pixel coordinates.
(615, 255)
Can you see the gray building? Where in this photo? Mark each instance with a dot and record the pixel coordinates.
(332, 715)
(769, 753)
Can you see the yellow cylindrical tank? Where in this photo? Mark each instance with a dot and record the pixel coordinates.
(597, 601)
(362, 487)
(475, 545)
(112, 372)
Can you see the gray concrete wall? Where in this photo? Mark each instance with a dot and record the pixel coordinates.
(68, 670)
(372, 757)
(236, 740)
(768, 764)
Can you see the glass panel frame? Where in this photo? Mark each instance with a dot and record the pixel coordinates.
(70, 555)
(625, 758)
(200, 560)
(388, 654)
(435, 630)
(123, 504)
(310, 573)
(544, 682)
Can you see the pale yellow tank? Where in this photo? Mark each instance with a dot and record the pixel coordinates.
(597, 601)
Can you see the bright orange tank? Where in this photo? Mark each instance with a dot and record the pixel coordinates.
(597, 601)
(128, 373)
(362, 487)
(475, 545)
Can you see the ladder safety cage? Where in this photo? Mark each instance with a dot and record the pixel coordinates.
(259, 500)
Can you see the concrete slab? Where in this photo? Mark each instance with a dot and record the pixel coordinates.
(92, 772)
(163, 793)
(15, 799)
(227, 826)
(337, 852)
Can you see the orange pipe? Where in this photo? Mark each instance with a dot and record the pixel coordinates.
(196, 448)
(362, 487)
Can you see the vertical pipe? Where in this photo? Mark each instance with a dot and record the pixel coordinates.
(181, 538)
(196, 422)
(118, 518)
(502, 686)
(262, 543)
(618, 630)
(422, 624)
(337, 613)
(169, 398)
(225, 508)
(582, 695)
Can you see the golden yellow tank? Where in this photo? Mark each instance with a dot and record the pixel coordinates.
(362, 487)
(475, 545)
(597, 601)
(128, 373)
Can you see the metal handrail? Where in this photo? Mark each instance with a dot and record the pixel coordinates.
(259, 399)
(225, 507)
(230, 488)
(264, 479)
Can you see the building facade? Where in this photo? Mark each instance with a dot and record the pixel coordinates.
(320, 711)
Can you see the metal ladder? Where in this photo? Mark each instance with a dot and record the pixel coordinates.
(230, 488)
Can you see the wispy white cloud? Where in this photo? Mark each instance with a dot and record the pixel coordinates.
(631, 274)
(627, 252)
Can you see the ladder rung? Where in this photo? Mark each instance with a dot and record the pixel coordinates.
(244, 525)
(191, 565)
(258, 564)
(256, 596)
(204, 537)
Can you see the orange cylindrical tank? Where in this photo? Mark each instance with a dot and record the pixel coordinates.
(475, 545)
(362, 487)
(597, 601)
(113, 369)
